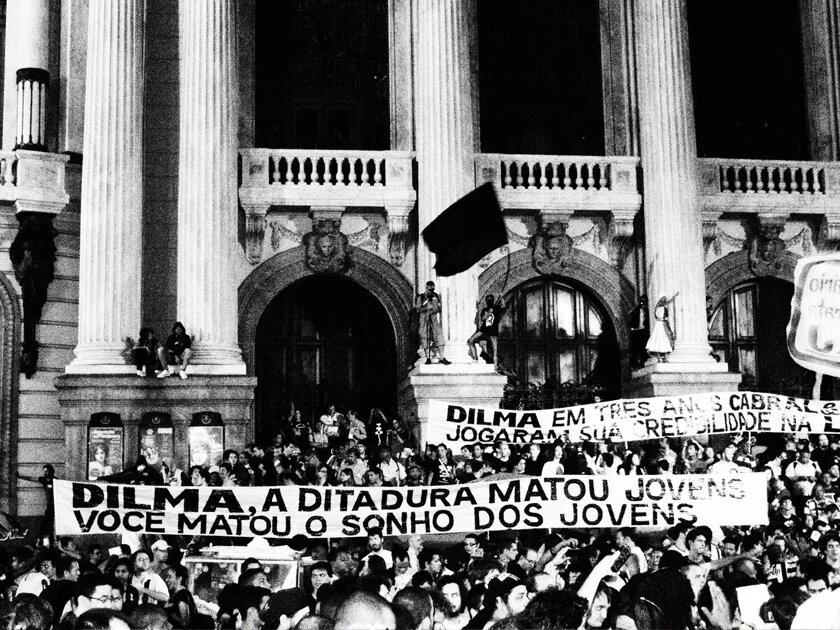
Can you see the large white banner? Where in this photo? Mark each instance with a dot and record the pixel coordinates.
(520, 503)
(633, 419)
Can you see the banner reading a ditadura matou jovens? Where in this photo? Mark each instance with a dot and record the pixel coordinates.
(334, 512)
(633, 419)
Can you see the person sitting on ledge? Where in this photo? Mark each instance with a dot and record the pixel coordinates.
(145, 353)
(176, 352)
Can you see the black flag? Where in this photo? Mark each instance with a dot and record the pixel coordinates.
(466, 231)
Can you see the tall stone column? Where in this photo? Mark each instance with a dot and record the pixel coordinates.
(673, 223)
(820, 57)
(446, 143)
(27, 75)
(207, 188)
(112, 185)
(669, 163)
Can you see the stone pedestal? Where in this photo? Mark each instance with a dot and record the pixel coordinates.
(478, 385)
(207, 186)
(671, 379)
(131, 397)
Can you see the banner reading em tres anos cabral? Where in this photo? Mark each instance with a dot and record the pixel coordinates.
(633, 419)
(521, 503)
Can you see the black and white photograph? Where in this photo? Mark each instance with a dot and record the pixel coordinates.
(420, 314)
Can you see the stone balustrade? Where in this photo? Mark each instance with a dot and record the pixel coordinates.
(561, 182)
(729, 185)
(33, 181)
(319, 179)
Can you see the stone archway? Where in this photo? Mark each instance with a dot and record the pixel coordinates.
(607, 286)
(10, 318)
(372, 273)
(730, 271)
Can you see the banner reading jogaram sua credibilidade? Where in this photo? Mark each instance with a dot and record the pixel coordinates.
(633, 419)
(519, 503)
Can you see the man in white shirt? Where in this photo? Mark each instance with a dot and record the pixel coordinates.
(331, 421)
(554, 466)
(726, 465)
(393, 472)
(39, 578)
(803, 473)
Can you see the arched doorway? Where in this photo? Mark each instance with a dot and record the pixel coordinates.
(554, 334)
(747, 330)
(323, 340)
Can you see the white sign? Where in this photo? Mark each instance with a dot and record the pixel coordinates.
(814, 328)
(633, 419)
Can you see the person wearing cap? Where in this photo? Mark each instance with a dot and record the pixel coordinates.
(505, 597)
(160, 556)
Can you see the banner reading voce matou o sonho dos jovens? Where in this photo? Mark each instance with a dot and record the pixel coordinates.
(336, 512)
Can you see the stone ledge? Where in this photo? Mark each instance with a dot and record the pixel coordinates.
(451, 384)
(131, 396)
(648, 382)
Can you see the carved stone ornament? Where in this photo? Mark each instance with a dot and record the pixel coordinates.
(766, 249)
(33, 258)
(326, 247)
(551, 248)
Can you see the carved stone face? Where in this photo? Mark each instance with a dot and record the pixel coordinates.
(326, 246)
(553, 247)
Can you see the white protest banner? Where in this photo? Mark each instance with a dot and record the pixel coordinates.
(633, 419)
(335, 512)
(813, 334)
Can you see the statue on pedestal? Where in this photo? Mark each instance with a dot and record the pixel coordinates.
(432, 342)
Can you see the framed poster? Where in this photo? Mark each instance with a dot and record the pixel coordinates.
(106, 440)
(157, 437)
(207, 439)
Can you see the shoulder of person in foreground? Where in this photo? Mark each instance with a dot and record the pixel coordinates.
(820, 612)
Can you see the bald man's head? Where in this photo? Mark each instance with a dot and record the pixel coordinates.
(365, 610)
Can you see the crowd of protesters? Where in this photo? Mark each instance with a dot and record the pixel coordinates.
(687, 577)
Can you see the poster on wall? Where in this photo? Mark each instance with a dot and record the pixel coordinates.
(156, 441)
(105, 445)
(207, 439)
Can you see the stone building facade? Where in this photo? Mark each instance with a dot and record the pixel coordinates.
(262, 171)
